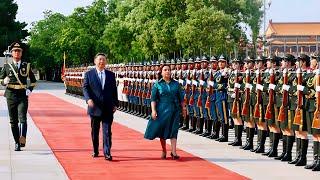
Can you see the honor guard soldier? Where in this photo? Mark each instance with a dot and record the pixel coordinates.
(187, 97)
(247, 108)
(221, 83)
(183, 76)
(271, 77)
(195, 95)
(313, 107)
(173, 69)
(204, 76)
(234, 95)
(259, 111)
(213, 124)
(300, 122)
(14, 76)
(286, 109)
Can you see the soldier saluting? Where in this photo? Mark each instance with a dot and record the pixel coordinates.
(14, 75)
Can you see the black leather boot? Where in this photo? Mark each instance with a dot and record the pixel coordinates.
(216, 130)
(239, 136)
(298, 152)
(186, 123)
(15, 133)
(197, 126)
(23, 134)
(263, 135)
(258, 142)
(288, 155)
(193, 124)
(284, 147)
(270, 142)
(304, 150)
(209, 128)
(315, 155)
(200, 130)
(247, 139)
(317, 166)
(251, 136)
(275, 143)
(235, 134)
(225, 131)
(222, 128)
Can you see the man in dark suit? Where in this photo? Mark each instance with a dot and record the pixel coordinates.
(100, 93)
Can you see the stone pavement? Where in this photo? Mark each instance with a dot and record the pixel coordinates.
(38, 158)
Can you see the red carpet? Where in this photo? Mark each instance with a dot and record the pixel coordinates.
(66, 129)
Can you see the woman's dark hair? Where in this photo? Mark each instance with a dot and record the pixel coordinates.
(160, 69)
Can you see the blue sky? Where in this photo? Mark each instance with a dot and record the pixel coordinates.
(279, 11)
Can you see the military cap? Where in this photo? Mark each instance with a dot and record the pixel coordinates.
(148, 63)
(213, 59)
(184, 61)
(222, 58)
(271, 58)
(289, 57)
(204, 59)
(304, 57)
(315, 55)
(179, 61)
(15, 46)
(248, 59)
(235, 60)
(173, 61)
(190, 60)
(258, 58)
(198, 60)
(157, 63)
(162, 62)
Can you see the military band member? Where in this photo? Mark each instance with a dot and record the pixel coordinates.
(247, 108)
(221, 83)
(234, 85)
(14, 76)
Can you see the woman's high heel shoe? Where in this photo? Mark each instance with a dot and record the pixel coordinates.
(164, 155)
(174, 157)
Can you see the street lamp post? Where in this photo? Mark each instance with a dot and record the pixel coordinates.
(264, 21)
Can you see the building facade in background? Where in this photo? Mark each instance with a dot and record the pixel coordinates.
(293, 37)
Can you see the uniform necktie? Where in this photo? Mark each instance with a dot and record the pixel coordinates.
(17, 65)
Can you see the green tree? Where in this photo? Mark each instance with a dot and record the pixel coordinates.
(10, 29)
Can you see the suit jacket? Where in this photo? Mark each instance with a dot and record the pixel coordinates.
(104, 100)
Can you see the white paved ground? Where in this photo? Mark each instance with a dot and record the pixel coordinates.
(38, 161)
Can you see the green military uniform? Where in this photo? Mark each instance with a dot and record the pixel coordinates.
(17, 95)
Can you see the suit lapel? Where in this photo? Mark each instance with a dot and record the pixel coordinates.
(97, 79)
(106, 79)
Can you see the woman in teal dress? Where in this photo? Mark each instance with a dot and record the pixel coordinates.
(167, 106)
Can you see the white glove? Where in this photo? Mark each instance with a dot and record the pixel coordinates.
(237, 85)
(260, 87)
(300, 88)
(202, 82)
(6, 80)
(233, 95)
(210, 83)
(285, 87)
(28, 92)
(272, 86)
(318, 88)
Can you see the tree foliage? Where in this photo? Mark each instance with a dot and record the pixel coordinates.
(143, 29)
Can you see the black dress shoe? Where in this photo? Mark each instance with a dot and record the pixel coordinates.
(174, 157)
(108, 157)
(95, 155)
(17, 147)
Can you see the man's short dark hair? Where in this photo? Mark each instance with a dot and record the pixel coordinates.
(100, 54)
